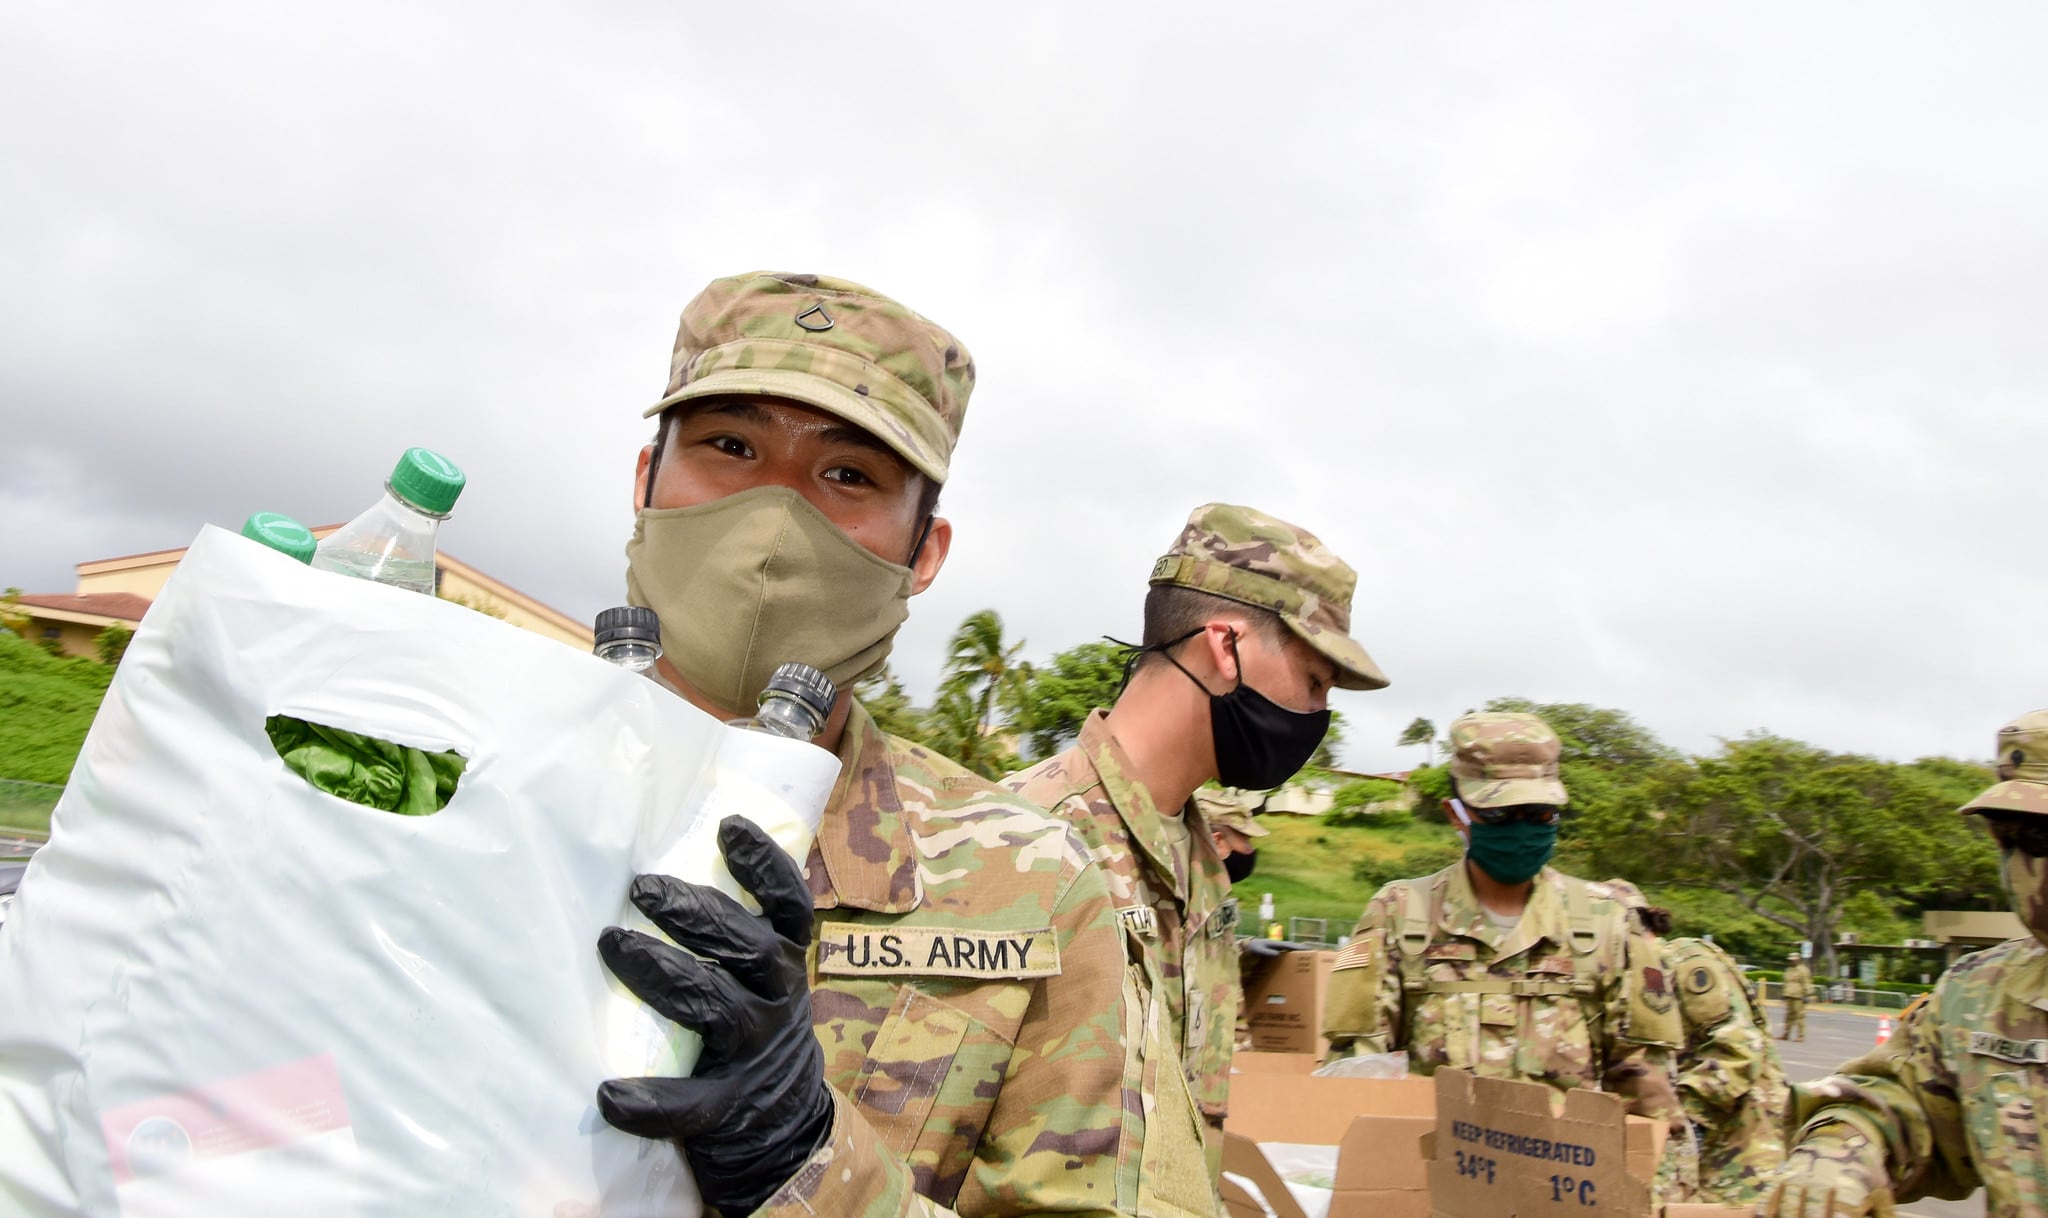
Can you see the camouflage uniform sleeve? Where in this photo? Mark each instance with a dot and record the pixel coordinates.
(1362, 1007)
(1644, 1031)
(1724, 1064)
(1902, 1096)
(1056, 1137)
(1640, 1056)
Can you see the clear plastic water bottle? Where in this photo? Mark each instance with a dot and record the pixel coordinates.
(760, 780)
(393, 542)
(629, 636)
(281, 533)
(794, 705)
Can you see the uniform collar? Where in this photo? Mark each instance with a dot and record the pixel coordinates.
(1143, 822)
(864, 857)
(1543, 918)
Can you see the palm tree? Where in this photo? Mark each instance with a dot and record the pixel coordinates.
(981, 673)
(1421, 732)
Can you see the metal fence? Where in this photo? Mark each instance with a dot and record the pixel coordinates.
(25, 807)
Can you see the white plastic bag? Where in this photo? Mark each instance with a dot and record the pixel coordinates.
(223, 992)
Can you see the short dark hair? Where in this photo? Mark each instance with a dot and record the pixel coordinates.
(1173, 611)
(1654, 918)
(927, 495)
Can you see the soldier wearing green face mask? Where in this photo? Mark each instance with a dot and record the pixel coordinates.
(1955, 1099)
(1500, 965)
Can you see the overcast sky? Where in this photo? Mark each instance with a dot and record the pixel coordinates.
(1683, 360)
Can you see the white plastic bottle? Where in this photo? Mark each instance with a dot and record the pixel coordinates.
(766, 775)
(393, 542)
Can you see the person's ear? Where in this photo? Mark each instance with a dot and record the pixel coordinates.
(937, 544)
(1219, 638)
(643, 471)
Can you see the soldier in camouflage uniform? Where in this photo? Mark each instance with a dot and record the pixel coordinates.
(1795, 990)
(931, 1015)
(1506, 967)
(1729, 1076)
(1956, 1098)
(1246, 631)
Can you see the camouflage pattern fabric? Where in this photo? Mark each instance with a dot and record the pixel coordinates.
(1503, 759)
(831, 344)
(1729, 1077)
(2022, 753)
(1571, 1002)
(1179, 922)
(1954, 1100)
(1796, 989)
(1244, 555)
(1230, 808)
(970, 990)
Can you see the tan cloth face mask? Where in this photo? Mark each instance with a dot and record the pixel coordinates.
(760, 579)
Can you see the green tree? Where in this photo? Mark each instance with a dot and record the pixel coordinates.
(1326, 755)
(1056, 697)
(882, 694)
(12, 616)
(982, 674)
(111, 644)
(1421, 732)
(1794, 833)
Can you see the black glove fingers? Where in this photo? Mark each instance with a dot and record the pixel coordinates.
(766, 871)
(665, 1107)
(710, 924)
(691, 992)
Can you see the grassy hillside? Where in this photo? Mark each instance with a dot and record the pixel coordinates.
(1317, 870)
(46, 705)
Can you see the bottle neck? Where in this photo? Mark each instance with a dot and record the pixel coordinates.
(783, 716)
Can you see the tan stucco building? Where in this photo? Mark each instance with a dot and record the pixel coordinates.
(118, 591)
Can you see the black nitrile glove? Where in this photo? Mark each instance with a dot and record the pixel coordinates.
(1269, 949)
(758, 1105)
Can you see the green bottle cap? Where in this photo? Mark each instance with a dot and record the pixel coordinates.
(427, 481)
(280, 533)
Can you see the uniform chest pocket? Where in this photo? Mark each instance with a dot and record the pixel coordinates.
(931, 1076)
(2005, 1119)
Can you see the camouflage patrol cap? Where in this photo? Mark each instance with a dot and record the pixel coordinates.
(2022, 768)
(831, 344)
(1242, 554)
(1504, 758)
(1227, 809)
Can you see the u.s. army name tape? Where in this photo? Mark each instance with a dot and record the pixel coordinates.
(849, 949)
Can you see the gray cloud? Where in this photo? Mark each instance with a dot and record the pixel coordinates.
(1675, 361)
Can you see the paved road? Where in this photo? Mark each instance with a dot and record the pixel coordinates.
(19, 847)
(1832, 1038)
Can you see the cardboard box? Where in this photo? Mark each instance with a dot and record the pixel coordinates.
(1500, 1148)
(1376, 1124)
(1283, 1002)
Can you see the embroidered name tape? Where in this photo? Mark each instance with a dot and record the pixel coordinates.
(1140, 920)
(848, 949)
(2023, 1052)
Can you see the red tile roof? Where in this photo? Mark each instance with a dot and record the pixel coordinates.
(123, 605)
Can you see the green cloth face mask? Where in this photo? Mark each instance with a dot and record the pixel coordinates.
(758, 579)
(1512, 852)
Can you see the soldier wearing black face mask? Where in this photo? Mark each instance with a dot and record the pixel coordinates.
(1247, 628)
(1233, 828)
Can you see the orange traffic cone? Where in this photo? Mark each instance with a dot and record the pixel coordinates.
(1884, 1029)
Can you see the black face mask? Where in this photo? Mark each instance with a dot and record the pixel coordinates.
(1239, 866)
(1259, 743)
